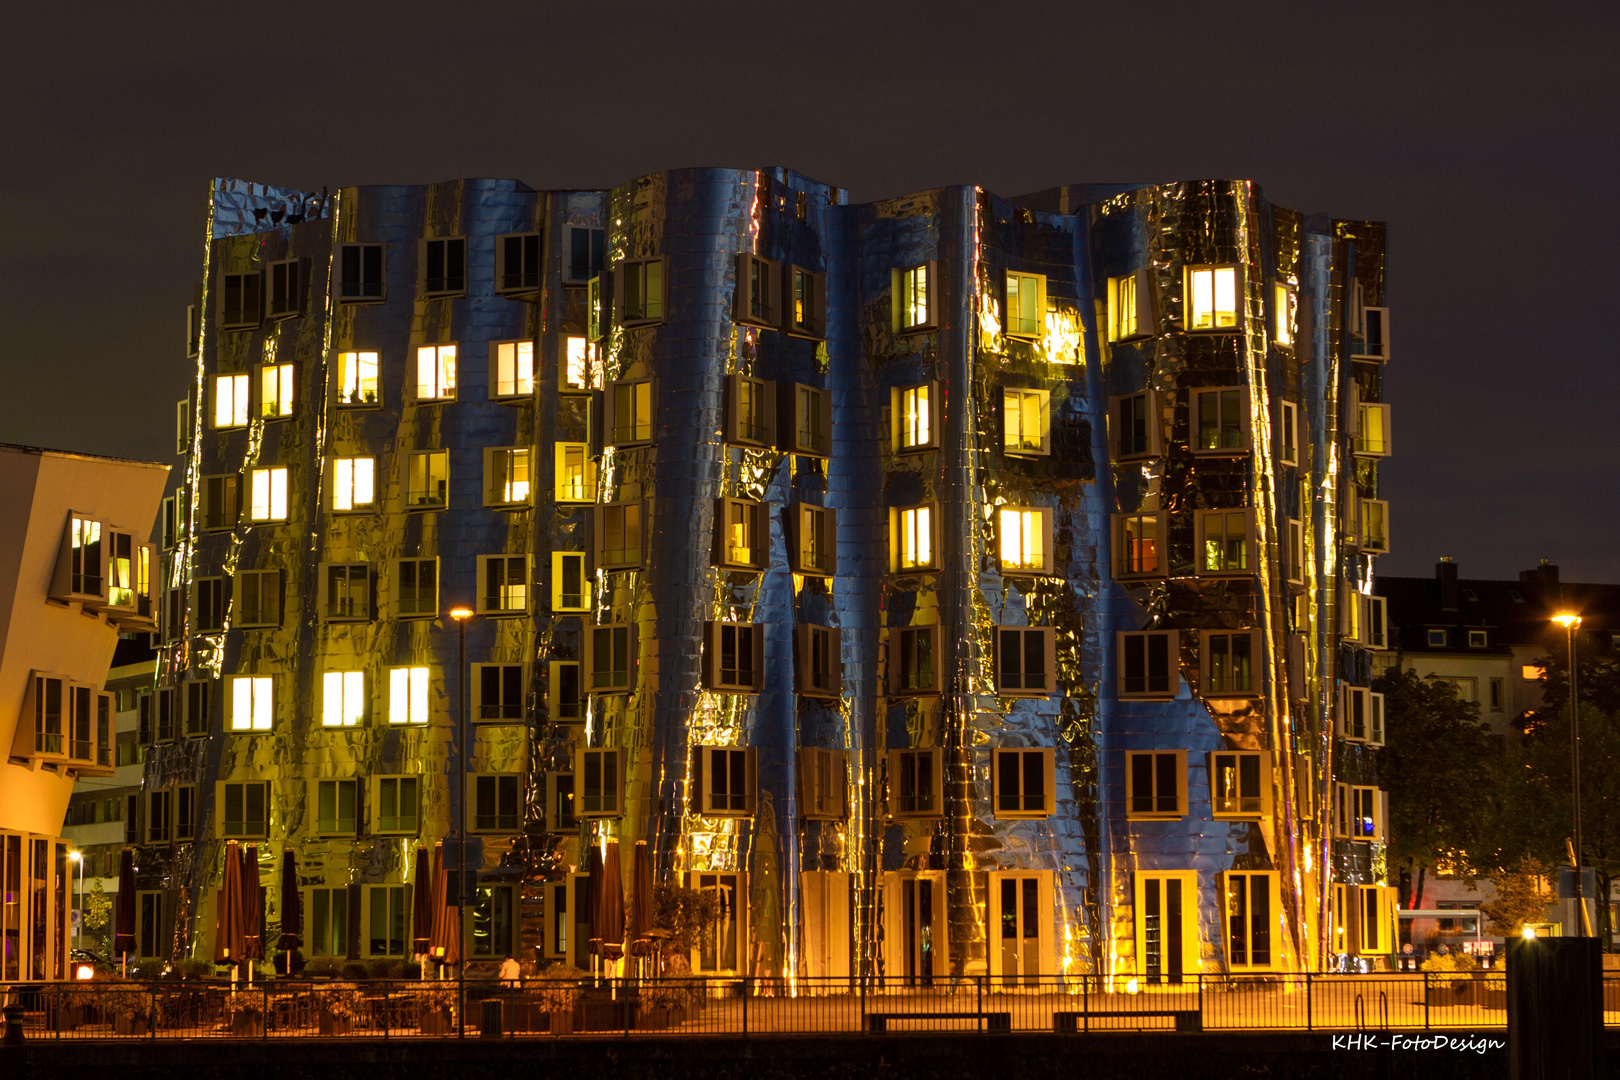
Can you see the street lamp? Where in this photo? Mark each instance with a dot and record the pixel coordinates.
(77, 857)
(1572, 622)
(461, 614)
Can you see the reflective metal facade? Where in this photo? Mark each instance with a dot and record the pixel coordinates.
(1063, 880)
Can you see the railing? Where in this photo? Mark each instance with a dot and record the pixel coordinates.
(746, 1006)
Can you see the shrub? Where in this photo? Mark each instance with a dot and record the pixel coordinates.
(323, 967)
(354, 970)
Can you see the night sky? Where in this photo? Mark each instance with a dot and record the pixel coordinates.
(1488, 142)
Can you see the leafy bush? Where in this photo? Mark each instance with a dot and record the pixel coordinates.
(354, 970)
(192, 968)
(323, 967)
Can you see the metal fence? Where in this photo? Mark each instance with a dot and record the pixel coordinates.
(740, 1006)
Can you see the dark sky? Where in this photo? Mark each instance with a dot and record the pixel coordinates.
(1488, 140)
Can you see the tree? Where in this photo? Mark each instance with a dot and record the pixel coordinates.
(1599, 685)
(1536, 808)
(1437, 767)
(1519, 898)
(96, 917)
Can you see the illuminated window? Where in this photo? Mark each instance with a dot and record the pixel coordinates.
(913, 292)
(335, 804)
(267, 495)
(85, 556)
(495, 803)
(584, 251)
(570, 582)
(1129, 313)
(427, 480)
(360, 273)
(399, 804)
(252, 702)
(914, 783)
(1155, 784)
(1238, 783)
(740, 542)
(610, 658)
(518, 267)
(816, 536)
(575, 473)
(343, 699)
(1023, 783)
(724, 779)
(1374, 526)
(914, 666)
(258, 598)
(1149, 663)
(417, 587)
(1366, 807)
(1134, 426)
(506, 476)
(511, 369)
(444, 266)
(1139, 544)
(1223, 542)
(276, 385)
(807, 303)
(408, 695)
(912, 538)
(499, 690)
(576, 363)
(596, 327)
(286, 289)
(1250, 903)
(1284, 304)
(619, 536)
(1026, 305)
(750, 411)
(231, 393)
(1024, 539)
(436, 373)
(239, 300)
(1025, 660)
(812, 421)
(599, 783)
(914, 427)
(357, 378)
(346, 592)
(759, 291)
(642, 298)
(1294, 552)
(1229, 663)
(505, 584)
(1220, 419)
(818, 662)
(629, 419)
(246, 809)
(1212, 297)
(734, 657)
(1288, 434)
(1527, 672)
(1372, 430)
(354, 484)
(1025, 423)
(565, 692)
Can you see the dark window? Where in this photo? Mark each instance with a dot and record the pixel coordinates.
(1155, 780)
(335, 807)
(444, 268)
(418, 587)
(1020, 781)
(1021, 659)
(398, 803)
(286, 289)
(500, 692)
(1146, 663)
(585, 250)
(240, 304)
(496, 804)
(520, 262)
(360, 272)
(246, 809)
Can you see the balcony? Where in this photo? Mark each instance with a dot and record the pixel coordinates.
(66, 723)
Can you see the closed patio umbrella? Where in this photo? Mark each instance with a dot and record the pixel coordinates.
(445, 943)
(643, 915)
(610, 924)
(228, 910)
(292, 909)
(593, 900)
(252, 908)
(124, 931)
(422, 908)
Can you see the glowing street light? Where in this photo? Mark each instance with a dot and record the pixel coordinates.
(1571, 622)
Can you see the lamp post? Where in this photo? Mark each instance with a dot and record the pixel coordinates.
(77, 857)
(461, 614)
(1571, 622)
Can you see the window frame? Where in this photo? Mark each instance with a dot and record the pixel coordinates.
(599, 535)
(353, 397)
(739, 433)
(1179, 758)
(899, 277)
(498, 783)
(564, 490)
(243, 587)
(376, 794)
(1359, 445)
(500, 485)
(334, 826)
(897, 428)
(894, 770)
(595, 254)
(1273, 887)
(900, 649)
(419, 610)
(1022, 332)
(714, 633)
(583, 756)
(808, 640)
(1048, 769)
(443, 387)
(816, 328)
(218, 488)
(1284, 315)
(449, 287)
(503, 269)
(277, 387)
(261, 699)
(645, 315)
(1361, 536)
(1200, 548)
(756, 519)
(1213, 762)
(364, 290)
(369, 931)
(588, 657)
(1043, 516)
(801, 515)
(1141, 307)
(483, 606)
(1256, 657)
(820, 801)
(561, 600)
(637, 433)
(244, 318)
(222, 801)
(1239, 296)
(565, 364)
(275, 476)
(238, 413)
(351, 572)
(898, 564)
(1173, 665)
(1161, 522)
(210, 598)
(1047, 637)
(1152, 421)
(353, 706)
(522, 386)
(703, 803)
(1195, 427)
(506, 712)
(413, 708)
(1374, 623)
(291, 271)
(757, 302)
(1288, 433)
(554, 691)
(1043, 446)
(1362, 346)
(336, 467)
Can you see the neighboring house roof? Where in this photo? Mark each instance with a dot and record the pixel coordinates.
(1513, 613)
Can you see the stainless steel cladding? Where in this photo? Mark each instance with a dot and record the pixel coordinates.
(945, 585)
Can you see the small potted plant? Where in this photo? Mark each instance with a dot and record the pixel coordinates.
(557, 994)
(1451, 979)
(127, 1005)
(244, 1013)
(435, 1008)
(337, 1006)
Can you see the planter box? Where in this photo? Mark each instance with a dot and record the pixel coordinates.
(248, 1025)
(435, 1022)
(1450, 992)
(334, 1025)
(561, 1023)
(125, 1024)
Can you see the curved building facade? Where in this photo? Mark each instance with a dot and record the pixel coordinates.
(949, 584)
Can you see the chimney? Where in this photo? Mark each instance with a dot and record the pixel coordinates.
(1445, 572)
(1546, 577)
